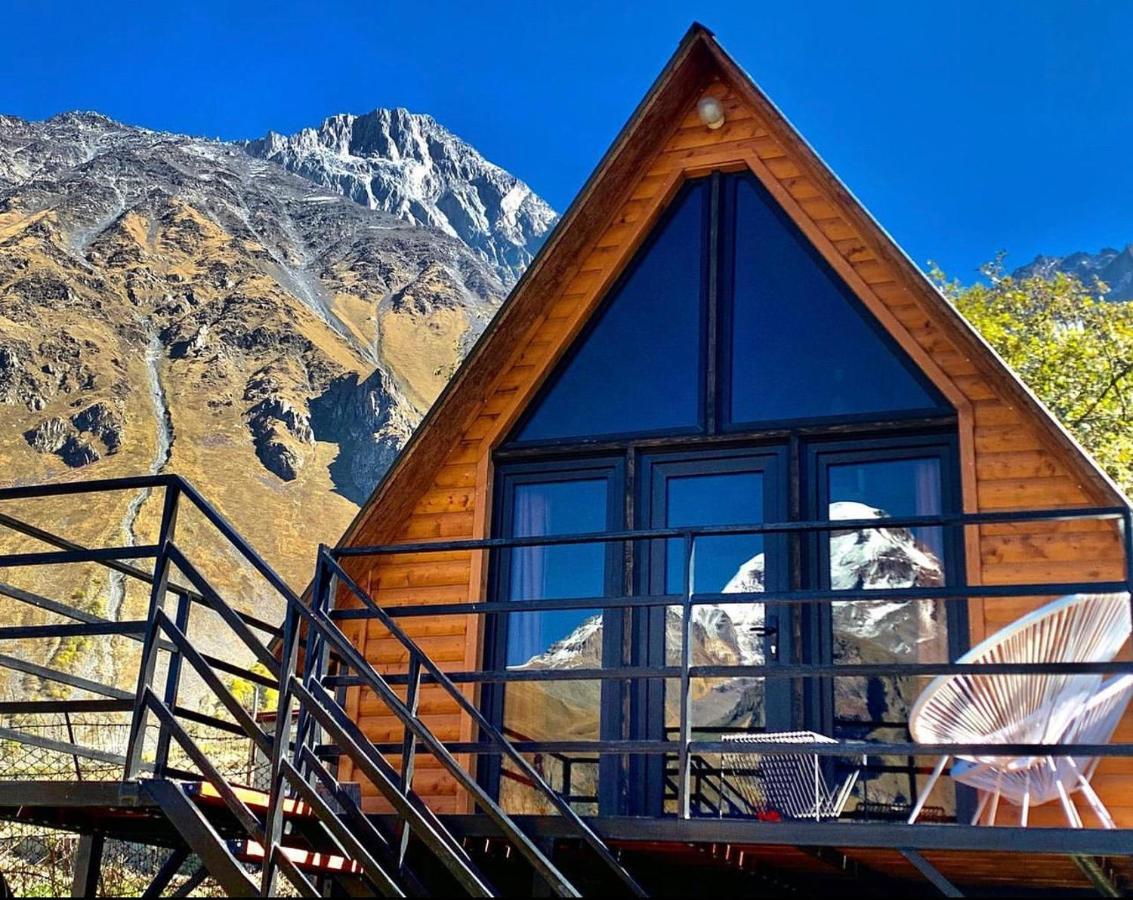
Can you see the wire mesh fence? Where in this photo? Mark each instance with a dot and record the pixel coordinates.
(39, 862)
(36, 861)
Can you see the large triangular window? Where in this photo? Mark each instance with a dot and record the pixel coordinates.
(636, 369)
(726, 276)
(799, 344)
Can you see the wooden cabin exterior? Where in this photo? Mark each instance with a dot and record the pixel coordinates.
(998, 448)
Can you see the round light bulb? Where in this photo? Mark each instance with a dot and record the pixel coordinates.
(711, 111)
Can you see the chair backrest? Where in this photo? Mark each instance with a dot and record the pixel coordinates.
(1031, 708)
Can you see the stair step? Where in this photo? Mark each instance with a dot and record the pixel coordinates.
(257, 801)
(305, 860)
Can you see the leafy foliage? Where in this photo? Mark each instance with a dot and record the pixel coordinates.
(1073, 349)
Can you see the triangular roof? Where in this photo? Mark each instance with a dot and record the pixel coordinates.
(699, 63)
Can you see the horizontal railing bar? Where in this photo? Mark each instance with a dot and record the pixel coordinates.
(56, 541)
(80, 629)
(772, 598)
(47, 604)
(231, 668)
(94, 486)
(774, 670)
(63, 609)
(252, 621)
(68, 678)
(57, 707)
(934, 521)
(32, 740)
(844, 748)
(64, 557)
(129, 571)
(191, 715)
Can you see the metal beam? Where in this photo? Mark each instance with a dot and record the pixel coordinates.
(60, 677)
(874, 835)
(1098, 876)
(931, 873)
(72, 794)
(165, 874)
(202, 838)
(192, 883)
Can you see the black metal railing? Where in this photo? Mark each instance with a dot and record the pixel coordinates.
(691, 751)
(311, 661)
(160, 721)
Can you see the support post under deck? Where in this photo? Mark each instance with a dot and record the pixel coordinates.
(88, 865)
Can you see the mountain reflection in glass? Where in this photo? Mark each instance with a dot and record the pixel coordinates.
(885, 631)
(722, 634)
(548, 639)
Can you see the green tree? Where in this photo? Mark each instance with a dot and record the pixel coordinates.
(1072, 348)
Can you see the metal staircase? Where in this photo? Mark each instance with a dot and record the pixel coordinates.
(303, 825)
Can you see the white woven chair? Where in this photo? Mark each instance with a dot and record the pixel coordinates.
(1043, 708)
(791, 785)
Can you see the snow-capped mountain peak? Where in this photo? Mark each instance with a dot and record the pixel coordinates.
(1109, 265)
(408, 164)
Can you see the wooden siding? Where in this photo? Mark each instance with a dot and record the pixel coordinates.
(1009, 460)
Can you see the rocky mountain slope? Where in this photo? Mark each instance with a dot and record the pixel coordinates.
(1114, 267)
(409, 165)
(173, 304)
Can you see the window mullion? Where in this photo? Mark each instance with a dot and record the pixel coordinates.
(711, 394)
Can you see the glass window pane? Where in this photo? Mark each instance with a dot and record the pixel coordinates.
(885, 631)
(554, 572)
(801, 345)
(637, 369)
(722, 634)
(555, 710)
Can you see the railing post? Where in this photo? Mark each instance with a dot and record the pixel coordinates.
(685, 736)
(277, 787)
(1127, 542)
(308, 730)
(408, 749)
(135, 747)
(172, 685)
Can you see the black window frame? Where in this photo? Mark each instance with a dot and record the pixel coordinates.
(494, 658)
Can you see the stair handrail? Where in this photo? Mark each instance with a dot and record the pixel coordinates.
(486, 728)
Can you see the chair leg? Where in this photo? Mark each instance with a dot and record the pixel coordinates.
(932, 780)
(1067, 806)
(995, 800)
(984, 797)
(1092, 797)
(1026, 810)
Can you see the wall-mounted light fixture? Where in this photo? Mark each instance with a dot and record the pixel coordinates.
(711, 111)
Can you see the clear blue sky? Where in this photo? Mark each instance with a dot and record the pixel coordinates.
(966, 127)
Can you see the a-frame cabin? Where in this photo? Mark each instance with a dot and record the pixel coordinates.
(718, 334)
